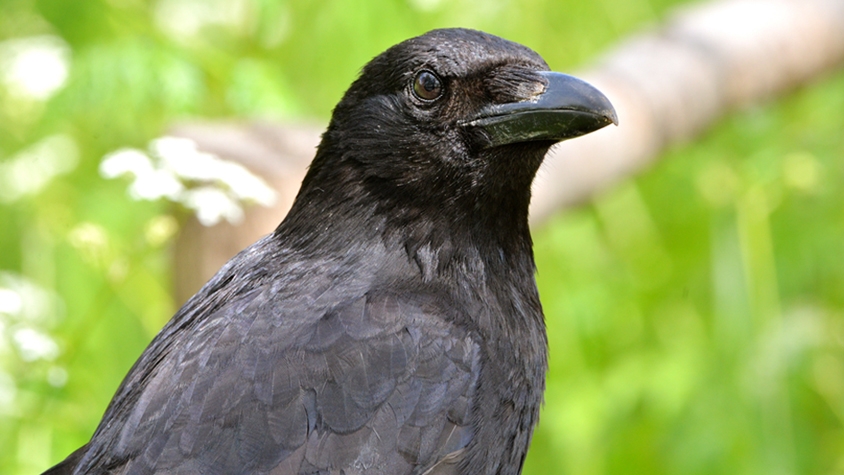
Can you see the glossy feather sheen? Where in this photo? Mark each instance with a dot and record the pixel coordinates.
(390, 325)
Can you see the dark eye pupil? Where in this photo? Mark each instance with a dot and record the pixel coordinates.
(427, 86)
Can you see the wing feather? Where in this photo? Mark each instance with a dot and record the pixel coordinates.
(376, 384)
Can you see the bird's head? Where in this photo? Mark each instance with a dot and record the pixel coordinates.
(453, 119)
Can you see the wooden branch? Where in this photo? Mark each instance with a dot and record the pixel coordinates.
(667, 86)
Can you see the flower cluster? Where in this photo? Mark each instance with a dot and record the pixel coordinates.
(173, 168)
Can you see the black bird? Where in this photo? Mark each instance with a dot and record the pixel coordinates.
(391, 323)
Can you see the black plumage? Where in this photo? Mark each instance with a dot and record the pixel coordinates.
(391, 323)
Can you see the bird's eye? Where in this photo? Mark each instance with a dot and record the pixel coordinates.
(427, 86)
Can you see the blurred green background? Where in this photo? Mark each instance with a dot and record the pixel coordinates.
(696, 313)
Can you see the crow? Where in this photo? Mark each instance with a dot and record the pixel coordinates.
(391, 323)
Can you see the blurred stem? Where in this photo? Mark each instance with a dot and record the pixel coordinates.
(37, 256)
(733, 325)
(771, 389)
(758, 257)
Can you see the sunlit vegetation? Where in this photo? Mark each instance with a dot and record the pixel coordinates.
(696, 313)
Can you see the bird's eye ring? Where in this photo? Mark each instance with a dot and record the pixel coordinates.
(427, 86)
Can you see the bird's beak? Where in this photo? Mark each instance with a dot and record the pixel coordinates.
(567, 108)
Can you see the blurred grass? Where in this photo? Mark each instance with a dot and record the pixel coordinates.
(695, 313)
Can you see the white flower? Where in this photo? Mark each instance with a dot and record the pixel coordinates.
(34, 67)
(31, 169)
(125, 161)
(34, 345)
(212, 205)
(177, 170)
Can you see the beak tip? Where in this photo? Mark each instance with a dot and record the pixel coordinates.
(608, 112)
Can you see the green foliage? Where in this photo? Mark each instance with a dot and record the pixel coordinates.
(695, 314)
